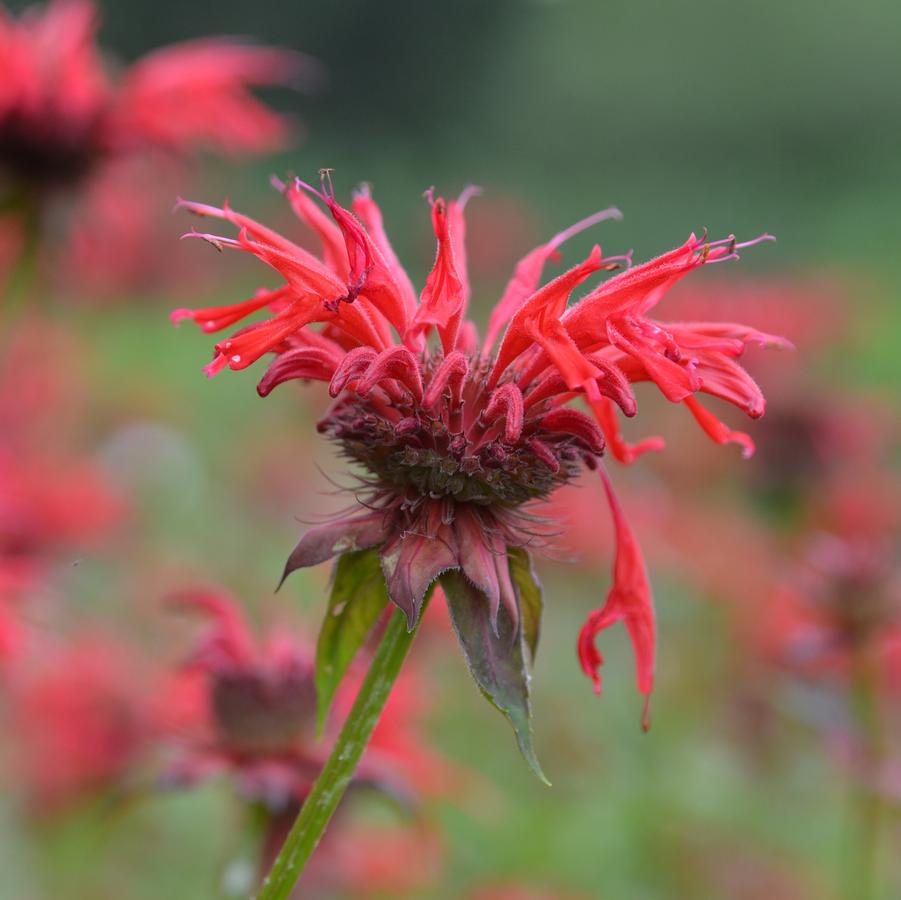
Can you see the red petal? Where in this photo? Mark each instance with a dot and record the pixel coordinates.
(629, 601)
(622, 451)
(312, 363)
(542, 309)
(371, 216)
(718, 430)
(505, 402)
(443, 298)
(527, 275)
(396, 363)
(450, 374)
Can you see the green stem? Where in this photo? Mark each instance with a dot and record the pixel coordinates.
(335, 777)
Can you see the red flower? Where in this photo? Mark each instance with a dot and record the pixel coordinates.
(79, 721)
(840, 605)
(10, 633)
(248, 707)
(47, 504)
(60, 114)
(456, 440)
(255, 707)
(71, 130)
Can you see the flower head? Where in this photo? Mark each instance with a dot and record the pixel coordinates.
(254, 709)
(80, 721)
(458, 440)
(61, 114)
(247, 707)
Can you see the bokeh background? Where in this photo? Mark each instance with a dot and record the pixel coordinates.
(763, 117)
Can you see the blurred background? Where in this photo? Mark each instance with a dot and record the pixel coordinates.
(771, 770)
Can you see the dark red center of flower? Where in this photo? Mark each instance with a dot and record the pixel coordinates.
(263, 711)
(455, 444)
(36, 153)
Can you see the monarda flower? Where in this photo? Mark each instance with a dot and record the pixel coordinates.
(78, 717)
(60, 113)
(458, 439)
(67, 123)
(245, 706)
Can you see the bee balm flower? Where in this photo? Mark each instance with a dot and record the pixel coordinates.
(73, 133)
(459, 440)
(60, 113)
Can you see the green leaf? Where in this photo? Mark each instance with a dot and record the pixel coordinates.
(357, 599)
(528, 589)
(496, 663)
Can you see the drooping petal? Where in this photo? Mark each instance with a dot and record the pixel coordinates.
(575, 424)
(354, 364)
(396, 363)
(622, 451)
(676, 380)
(719, 431)
(506, 403)
(312, 363)
(449, 375)
(629, 601)
(722, 377)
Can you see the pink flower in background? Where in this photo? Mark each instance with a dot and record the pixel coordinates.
(61, 114)
(839, 606)
(124, 230)
(72, 128)
(10, 632)
(456, 437)
(389, 860)
(255, 707)
(78, 719)
(515, 890)
(247, 707)
(48, 507)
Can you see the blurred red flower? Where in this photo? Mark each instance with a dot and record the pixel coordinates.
(61, 114)
(79, 721)
(838, 607)
(66, 122)
(246, 708)
(47, 504)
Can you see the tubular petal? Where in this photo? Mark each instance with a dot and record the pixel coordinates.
(629, 601)
(717, 430)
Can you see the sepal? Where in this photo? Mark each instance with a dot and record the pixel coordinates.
(497, 663)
